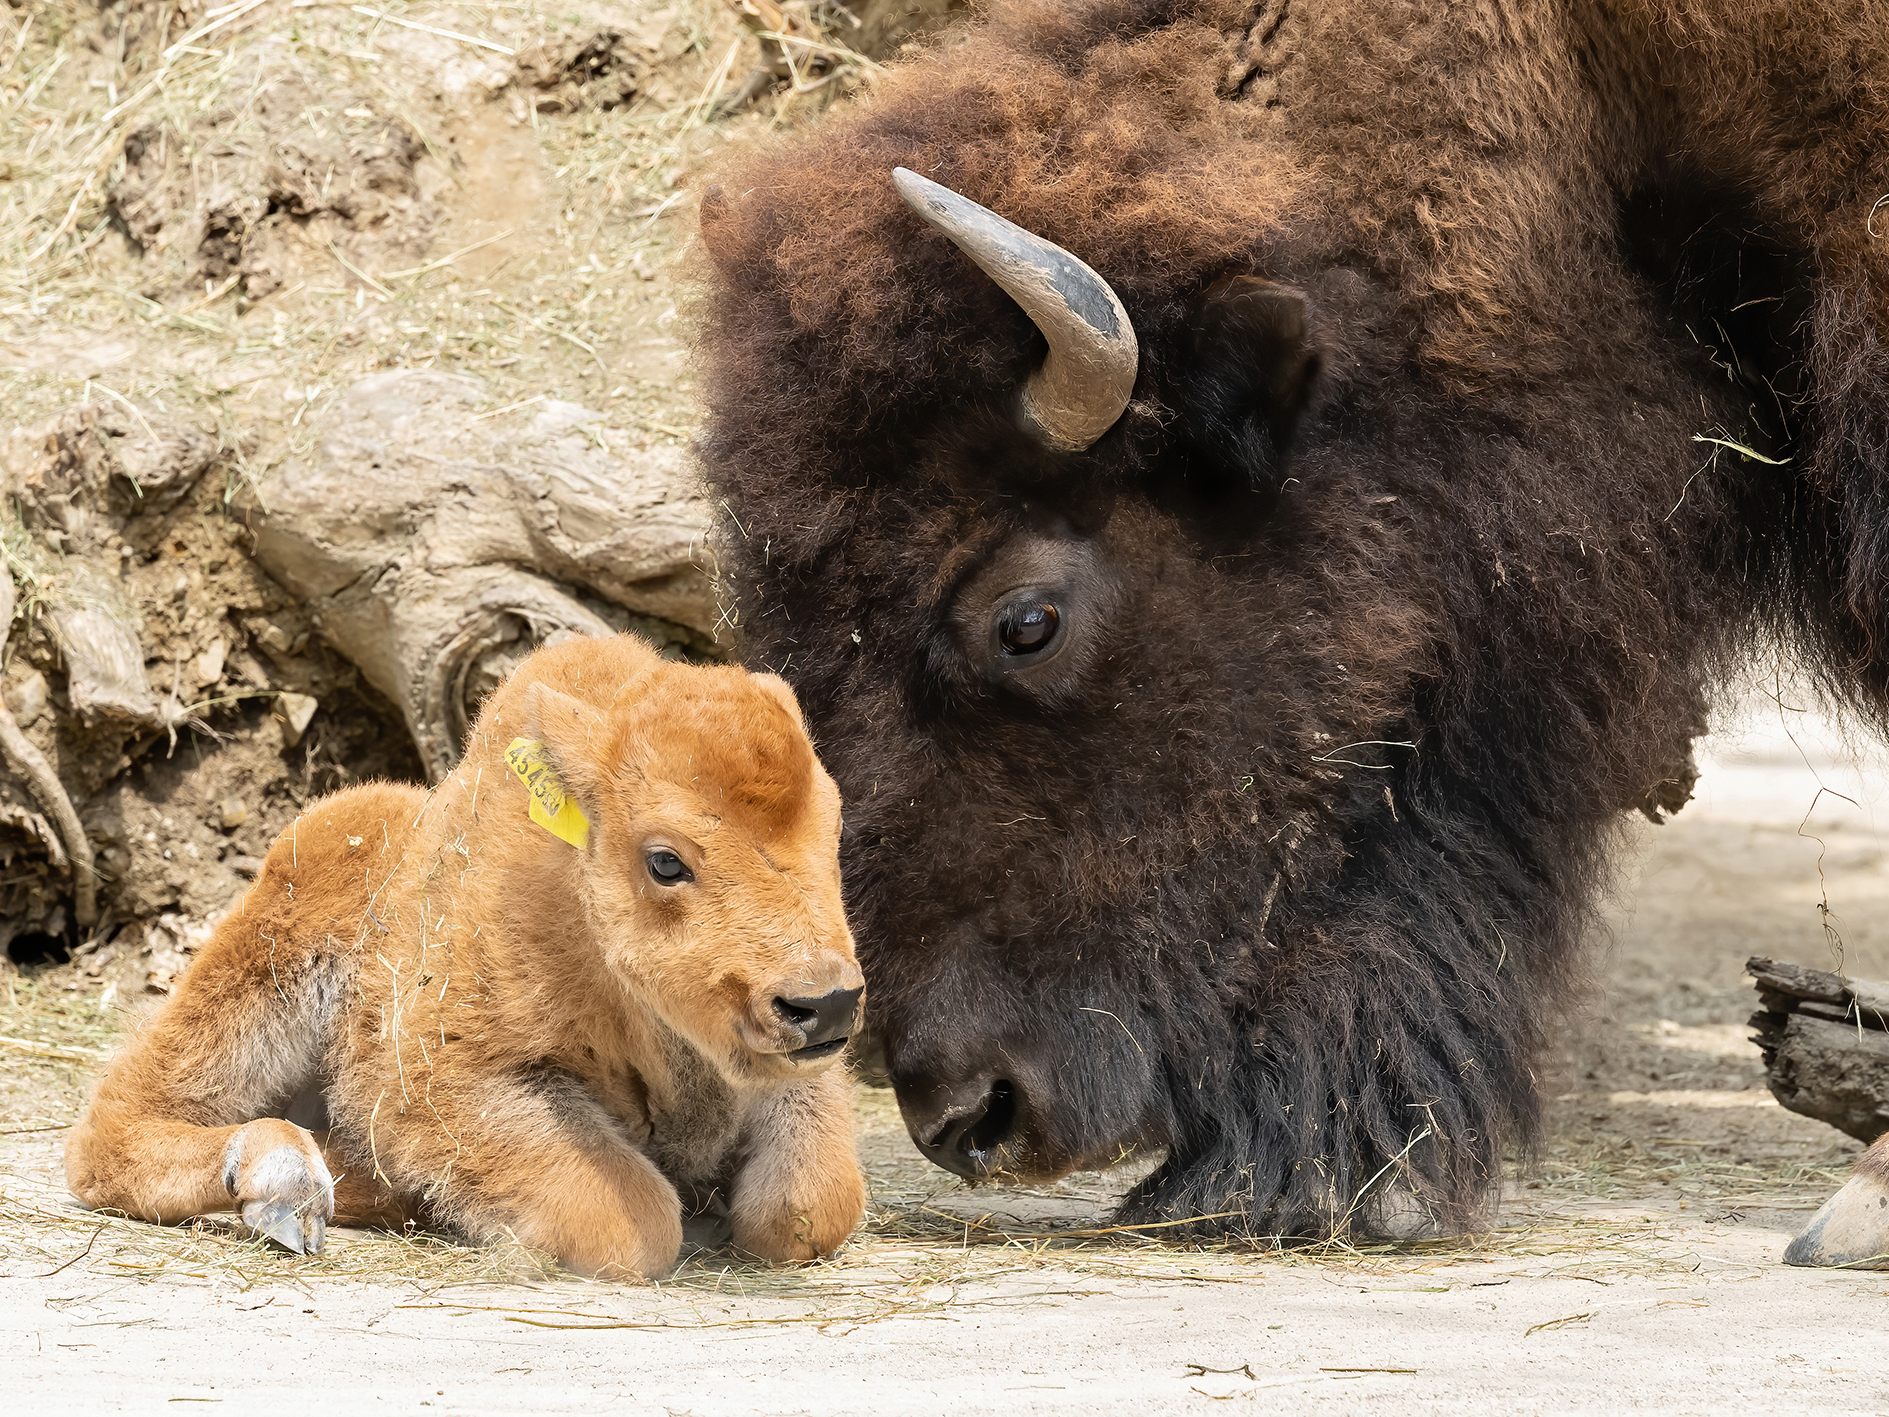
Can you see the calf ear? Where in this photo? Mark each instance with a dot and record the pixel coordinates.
(574, 737)
(780, 690)
(1252, 372)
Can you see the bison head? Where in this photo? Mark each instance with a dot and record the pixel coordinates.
(1230, 642)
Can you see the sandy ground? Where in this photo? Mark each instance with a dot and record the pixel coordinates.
(1635, 1267)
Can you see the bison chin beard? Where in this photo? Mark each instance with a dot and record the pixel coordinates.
(1381, 1066)
(1356, 1057)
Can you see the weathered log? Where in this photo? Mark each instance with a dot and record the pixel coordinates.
(1825, 1042)
(1797, 981)
(438, 540)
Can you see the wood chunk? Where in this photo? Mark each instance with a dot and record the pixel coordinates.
(1832, 1071)
(1798, 981)
(438, 540)
(1825, 1041)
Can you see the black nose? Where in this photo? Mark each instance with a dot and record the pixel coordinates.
(823, 1020)
(964, 1127)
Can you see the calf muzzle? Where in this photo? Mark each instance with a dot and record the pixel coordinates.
(821, 1022)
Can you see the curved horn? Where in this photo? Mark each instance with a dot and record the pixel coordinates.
(1086, 381)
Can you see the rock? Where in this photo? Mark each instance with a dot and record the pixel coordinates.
(275, 639)
(28, 698)
(410, 531)
(295, 712)
(210, 663)
(231, 811)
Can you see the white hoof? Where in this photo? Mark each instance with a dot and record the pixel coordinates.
(286, 1195)
(299, 1235)
(1850, 1232)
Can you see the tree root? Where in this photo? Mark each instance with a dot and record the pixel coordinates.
(31, 765)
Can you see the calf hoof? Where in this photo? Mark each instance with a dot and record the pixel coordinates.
(1850, 1232)
(279, 1221)
(281, 1185)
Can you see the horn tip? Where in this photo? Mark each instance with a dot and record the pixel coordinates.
(911, 185)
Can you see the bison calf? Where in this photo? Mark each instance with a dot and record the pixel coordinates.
(599, 976)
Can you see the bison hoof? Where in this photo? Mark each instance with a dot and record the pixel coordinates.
(280, 1222)
(1850, 1232)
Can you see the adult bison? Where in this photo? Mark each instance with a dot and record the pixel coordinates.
(1237, 626)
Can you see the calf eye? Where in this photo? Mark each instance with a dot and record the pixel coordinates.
(666, 868)
(1027, 624)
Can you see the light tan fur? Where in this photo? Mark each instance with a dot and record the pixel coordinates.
(508, 1034)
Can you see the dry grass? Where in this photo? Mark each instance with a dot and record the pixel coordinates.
(544, 264)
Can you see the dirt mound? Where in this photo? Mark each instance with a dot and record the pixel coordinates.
(601, 68)
(162, 676)
(244, 191)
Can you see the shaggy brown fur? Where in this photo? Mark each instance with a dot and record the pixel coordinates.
(1283, 863)
(511, 1035)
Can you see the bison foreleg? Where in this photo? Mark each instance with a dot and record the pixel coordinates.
(532, 1157)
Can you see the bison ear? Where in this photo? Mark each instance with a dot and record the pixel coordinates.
(574, 737)
(1252, 373)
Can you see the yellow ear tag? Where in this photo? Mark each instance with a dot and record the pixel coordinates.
(552, 807)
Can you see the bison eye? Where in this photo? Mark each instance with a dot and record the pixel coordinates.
(666, 868)
(1027, 625)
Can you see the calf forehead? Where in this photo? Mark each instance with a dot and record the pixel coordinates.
(735, 749)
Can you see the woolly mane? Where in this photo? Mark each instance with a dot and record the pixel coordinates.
(1101, 127)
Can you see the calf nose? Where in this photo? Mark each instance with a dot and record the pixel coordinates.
(822, 1020)
(963, 1127)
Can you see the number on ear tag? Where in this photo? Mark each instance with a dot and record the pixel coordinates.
(552, 807)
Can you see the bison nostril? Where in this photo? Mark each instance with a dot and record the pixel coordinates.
(967, 1140)
(992, 1130)
(823, 1021)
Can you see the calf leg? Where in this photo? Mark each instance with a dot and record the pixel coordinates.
(799, 1192)
(532, 1157)
(179, 1125)
(1852, 1229)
